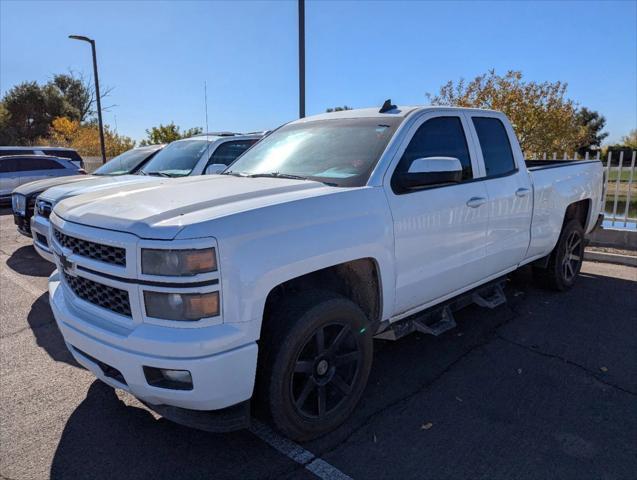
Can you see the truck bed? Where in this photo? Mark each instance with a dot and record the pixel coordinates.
(542, 164)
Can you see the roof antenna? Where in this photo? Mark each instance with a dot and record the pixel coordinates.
(387, 106)
(205, 100)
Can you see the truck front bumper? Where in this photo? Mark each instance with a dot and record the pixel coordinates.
(219, 379)
(41, 241)
(23, 223)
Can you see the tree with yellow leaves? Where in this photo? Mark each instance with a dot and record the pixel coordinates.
(545, 121)
(85, 138)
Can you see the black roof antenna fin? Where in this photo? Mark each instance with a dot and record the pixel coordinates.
(387, 106)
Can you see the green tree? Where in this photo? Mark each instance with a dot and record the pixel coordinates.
(544, 119)
(338, 109)
(167, 133)
(630, 140)
(78, 94)
(593, 124)
(5, 118)
(30, 109)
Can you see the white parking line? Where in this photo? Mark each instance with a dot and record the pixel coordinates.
(317, 466)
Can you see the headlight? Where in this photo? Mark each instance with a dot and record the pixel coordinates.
(19, 203)
(179, 263)
(181, 306)
(43, 208)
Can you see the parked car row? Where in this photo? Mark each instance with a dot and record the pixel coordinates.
(202, 154)
(269, 281)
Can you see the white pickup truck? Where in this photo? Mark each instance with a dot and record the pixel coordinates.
(271, 280)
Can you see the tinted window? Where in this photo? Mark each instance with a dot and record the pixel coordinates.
(495, 146)
(228, 152)
(7, 165)
(439, 137)
(31, 164)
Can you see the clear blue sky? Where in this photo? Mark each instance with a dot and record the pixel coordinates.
(156, 55)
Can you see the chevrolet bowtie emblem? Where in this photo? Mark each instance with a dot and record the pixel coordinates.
(66, 265)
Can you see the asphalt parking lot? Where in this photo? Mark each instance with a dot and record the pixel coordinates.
(543, 387)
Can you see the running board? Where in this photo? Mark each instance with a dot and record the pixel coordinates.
(439, 319)
(490, 298)
(438, 323)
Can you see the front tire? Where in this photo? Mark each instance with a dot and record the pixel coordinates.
(565, 260)
(316, 358)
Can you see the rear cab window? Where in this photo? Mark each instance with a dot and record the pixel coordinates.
(228, 152)
(495, 146)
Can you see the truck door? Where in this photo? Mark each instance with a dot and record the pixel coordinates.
(440, 231)
(509, 191)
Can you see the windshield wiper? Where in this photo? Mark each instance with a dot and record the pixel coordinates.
(159, 174)
(278, 175)
(235, 174)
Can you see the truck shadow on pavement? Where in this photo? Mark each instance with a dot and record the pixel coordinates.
(26, 261)
(46, 332)
(106, 439)
(554, 336)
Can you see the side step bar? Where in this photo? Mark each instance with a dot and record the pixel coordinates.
(439, 319)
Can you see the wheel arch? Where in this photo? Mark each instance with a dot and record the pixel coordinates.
(358, 280)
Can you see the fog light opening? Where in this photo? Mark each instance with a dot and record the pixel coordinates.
(168, 378)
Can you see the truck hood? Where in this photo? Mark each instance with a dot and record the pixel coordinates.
(92, 184)
(41, 185)
(161, 209)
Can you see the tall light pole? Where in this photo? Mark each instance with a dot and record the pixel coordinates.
(97, 91)
(301, 58)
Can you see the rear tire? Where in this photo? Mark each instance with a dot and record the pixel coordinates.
(315, 357)
(565, 261)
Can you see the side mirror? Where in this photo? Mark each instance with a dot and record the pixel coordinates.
(428, 171)
(215, 168)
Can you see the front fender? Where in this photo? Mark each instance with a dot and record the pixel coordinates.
(263, 248)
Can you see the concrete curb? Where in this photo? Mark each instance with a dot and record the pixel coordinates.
(627, 260)
(614, 238)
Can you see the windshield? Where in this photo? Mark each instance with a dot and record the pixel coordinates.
(177, 159)
(342, 152)
(124, 163)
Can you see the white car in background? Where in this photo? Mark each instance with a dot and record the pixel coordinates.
(202, 154)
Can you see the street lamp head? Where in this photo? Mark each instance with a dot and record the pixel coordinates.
(81, 37)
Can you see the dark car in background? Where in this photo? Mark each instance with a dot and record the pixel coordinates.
(60, 152)
(24, 197)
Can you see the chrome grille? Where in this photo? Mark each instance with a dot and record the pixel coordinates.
(103, 296)
(96, 251)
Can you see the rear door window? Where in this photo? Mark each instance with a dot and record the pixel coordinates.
(228, 152)
(495, 146)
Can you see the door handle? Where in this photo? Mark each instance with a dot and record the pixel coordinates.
(522, 192)
(475, 202)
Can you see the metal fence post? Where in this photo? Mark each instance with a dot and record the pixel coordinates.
(630, 183)
(619, 176)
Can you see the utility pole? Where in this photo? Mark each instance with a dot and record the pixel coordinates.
(97, 91)
(301, 58)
